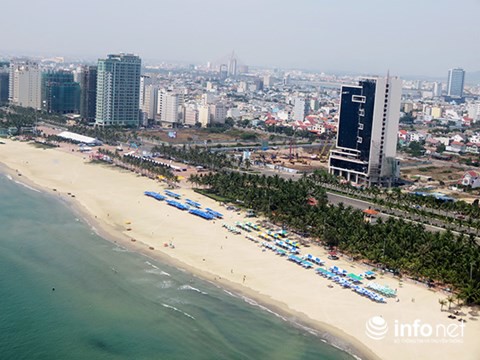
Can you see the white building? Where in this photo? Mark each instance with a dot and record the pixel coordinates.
(474, 111)
(190, 115)
(300, 109)
(150, 98)
(25, 87)
(471, 178)
(204, 115)
(169, 107)
(218, 113)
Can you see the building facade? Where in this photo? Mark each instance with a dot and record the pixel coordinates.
(300, 108)
(367, 132)
(150, 98)
(4, 76)
(88, 93)
(25, 84)
(169, 107)
(456, 79)
(118, 90)
(60, 94)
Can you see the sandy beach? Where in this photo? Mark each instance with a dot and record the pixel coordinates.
(113, 201)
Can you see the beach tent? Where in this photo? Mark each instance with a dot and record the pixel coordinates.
(354, 277)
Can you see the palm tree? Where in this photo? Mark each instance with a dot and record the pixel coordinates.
(450, 300)
(442, 303)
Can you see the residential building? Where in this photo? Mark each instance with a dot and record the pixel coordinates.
(60, 94)
(169, 107)
(456, 79)
(4, 76)
(190, 115)
(367, 132)
(300, 108)
(456, 147)
(471, 178)
(437, 89)
(204, 115)
(436, 112)
(150, 102)
(218, 113)
(87, 78)
(25, 84)
(472, 148)
(118, 90)
(474, 111)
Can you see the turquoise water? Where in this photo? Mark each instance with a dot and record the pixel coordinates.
(66, 293)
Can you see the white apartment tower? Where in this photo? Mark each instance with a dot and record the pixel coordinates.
(169, 107)
(25, 84)
(367, 132)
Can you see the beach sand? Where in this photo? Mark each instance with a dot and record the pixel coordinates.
(115, 205)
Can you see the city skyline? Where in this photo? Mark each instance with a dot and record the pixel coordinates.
(321, 35)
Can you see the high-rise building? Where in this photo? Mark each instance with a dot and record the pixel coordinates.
(150, 99)
(25, 84)
(367, 132)
(190, 116)
(118, 90)
(60, 94)
(218, 113)
(456, 79)
(300, 108)
(88, 92)
(204, 115)
(4, 83)
(437, 89)
(169, 107)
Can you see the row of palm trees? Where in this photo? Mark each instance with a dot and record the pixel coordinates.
(194, 156)
(148, 166)
(458, 213)
(397, 245)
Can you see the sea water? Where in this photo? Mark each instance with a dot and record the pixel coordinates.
(66, 293)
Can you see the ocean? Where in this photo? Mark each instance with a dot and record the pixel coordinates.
(66, 293)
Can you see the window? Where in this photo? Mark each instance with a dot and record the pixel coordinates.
(360, 126)
(361, 112)
(359, 139)
(358, 99)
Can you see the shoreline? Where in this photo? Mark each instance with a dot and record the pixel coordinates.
(265, 290)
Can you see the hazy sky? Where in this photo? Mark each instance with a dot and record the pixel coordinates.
(408, 37)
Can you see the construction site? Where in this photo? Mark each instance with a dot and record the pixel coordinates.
(299, 158)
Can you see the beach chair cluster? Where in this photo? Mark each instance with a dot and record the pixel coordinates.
(214, 213)
(369, 294)
(252, 238)
(383, 290)
(172, 194)
(178, 205)
(243, 226)
(193, 203)
(314, 259)
(155, 195)
(203, 214)
(337, 271)
(284, 245)
(298, 260)
(369, 275)
(275, 249)
(264, 236)
(348, 284)
(252, 226)
(232, 229)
